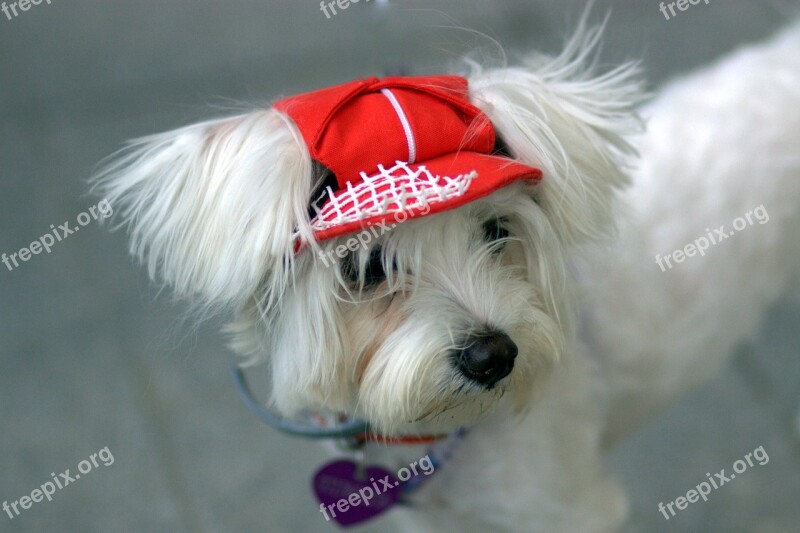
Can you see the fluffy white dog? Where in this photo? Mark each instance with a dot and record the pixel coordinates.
(488, 287)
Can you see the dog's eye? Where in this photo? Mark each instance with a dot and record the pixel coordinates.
(373, 269)
(494, 229)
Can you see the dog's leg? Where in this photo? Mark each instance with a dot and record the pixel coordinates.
(715, 235)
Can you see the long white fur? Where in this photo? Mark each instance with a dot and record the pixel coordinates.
(212, 209)
(719, 143)
(557, 113)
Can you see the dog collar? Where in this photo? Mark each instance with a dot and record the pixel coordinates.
(342, 479)
(353, 432)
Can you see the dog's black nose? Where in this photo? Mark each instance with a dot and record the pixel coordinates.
(487, 358)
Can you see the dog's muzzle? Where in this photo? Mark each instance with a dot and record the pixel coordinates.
(487, 358)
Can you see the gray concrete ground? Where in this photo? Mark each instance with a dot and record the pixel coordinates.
(91, 356)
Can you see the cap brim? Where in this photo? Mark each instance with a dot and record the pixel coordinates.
(408, 191)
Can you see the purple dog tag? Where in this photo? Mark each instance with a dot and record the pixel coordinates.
(350, 500)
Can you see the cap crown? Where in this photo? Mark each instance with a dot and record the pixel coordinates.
(354, 127)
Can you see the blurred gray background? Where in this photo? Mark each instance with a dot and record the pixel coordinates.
(92, 356)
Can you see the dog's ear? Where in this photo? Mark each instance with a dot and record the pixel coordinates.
(557, 114)
(213, 209)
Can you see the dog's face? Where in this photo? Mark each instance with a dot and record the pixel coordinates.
(431, 320)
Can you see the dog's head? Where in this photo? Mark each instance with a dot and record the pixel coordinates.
(433, 318)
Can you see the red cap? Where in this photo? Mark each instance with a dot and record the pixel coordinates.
(400, 148)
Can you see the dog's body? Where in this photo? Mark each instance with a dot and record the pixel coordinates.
(622, 335)
(718, 144)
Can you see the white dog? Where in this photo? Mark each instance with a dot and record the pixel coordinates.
(427, 254)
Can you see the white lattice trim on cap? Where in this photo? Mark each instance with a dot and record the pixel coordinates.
(392, 190)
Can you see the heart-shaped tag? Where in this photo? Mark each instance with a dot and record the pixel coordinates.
(351, 499)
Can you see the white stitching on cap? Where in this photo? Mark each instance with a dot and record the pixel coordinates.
(392, 190)
(412, 143)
